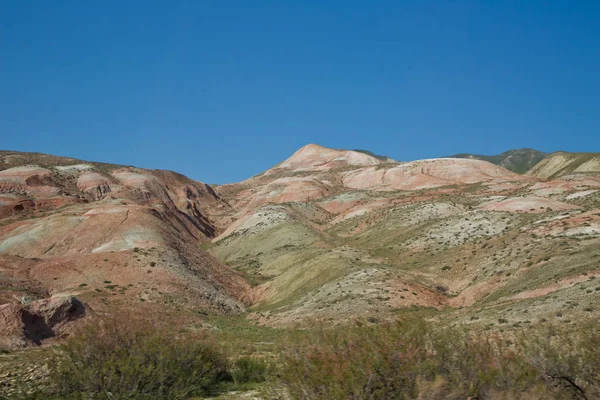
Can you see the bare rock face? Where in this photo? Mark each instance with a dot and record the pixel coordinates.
(424, 174)
(25, 325)
(95, 185)
(58, 310)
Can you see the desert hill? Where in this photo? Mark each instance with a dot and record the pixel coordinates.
(329, 234)
(112, 236)
(561, 164)
(519, 161)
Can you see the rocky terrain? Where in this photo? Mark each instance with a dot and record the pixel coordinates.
(31, 323)
(326, 234)
(336, 234)
(111, 236)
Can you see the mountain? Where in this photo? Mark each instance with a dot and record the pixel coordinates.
(519, 161)
(325, 238)
(112, 236)
(326, 234)
(329, 235)
(314, 172)
(562, 163)
(315, 157)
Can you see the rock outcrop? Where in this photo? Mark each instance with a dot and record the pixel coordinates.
(23, 325)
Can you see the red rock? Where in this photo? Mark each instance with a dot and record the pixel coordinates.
(30, 324)
(95, 184)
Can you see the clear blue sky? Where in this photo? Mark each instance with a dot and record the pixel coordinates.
(221, 90)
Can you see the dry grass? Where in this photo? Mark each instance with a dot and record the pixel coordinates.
(413, 359)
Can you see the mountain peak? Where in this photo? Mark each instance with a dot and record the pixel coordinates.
(316, 157)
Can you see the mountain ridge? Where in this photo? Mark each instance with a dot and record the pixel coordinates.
(326, 233)
(563, 163)
(516, 160)
(319, 240)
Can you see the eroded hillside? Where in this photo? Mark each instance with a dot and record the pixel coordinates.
(327, 234)
(113, 236)
(338, 234)
(562, 164)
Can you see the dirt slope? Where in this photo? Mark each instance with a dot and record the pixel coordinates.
(329, 234)
(332, 239)
(113, 236)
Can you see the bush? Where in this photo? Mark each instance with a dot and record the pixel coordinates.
(405, 360)
(249, 369)
(125, 358)
(567, 360)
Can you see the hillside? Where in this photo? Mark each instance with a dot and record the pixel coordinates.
(519, 161)
(336, 240)
(563, 163)
(114, 237)
(324, 237)
(325, 233)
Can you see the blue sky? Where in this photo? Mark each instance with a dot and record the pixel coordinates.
(222, 90)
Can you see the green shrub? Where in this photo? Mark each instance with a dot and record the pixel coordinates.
(404, 360)
(249, 370)
(130, 358)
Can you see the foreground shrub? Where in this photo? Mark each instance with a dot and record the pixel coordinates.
(408, 360)
(125, 358)
(249, 370)
(567, 360)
